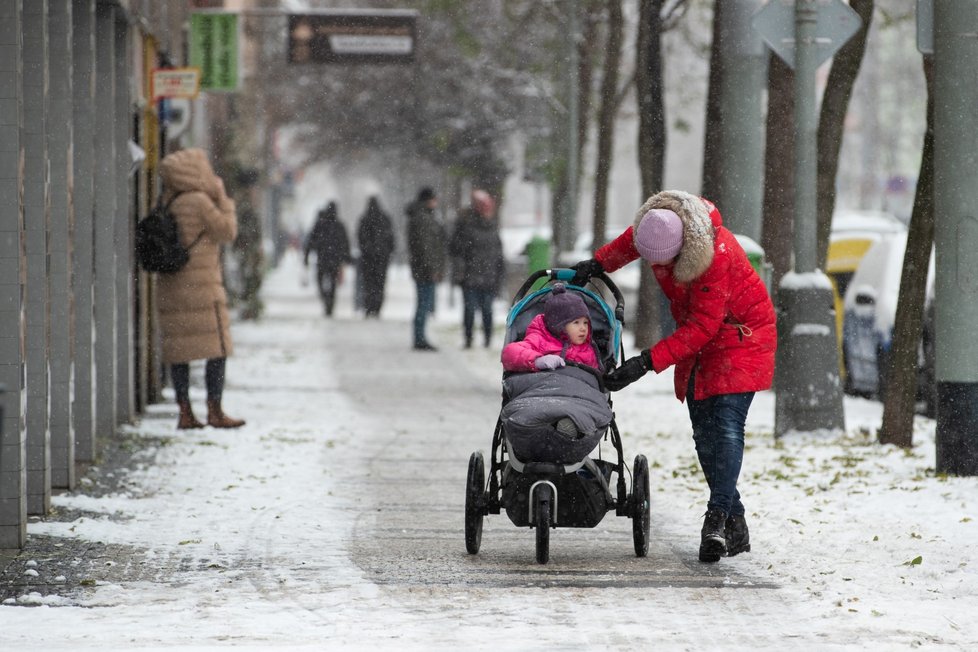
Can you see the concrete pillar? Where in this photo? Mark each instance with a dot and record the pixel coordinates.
(13, 434)
(125, 272)
(83, 208)
(956, 234)
(106, 171)
(36, 216)
(60, 334)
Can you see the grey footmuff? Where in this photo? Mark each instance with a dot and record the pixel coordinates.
(535, 416)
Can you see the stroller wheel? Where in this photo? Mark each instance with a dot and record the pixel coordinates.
(475, 485)
(640, 509)
(542, 512)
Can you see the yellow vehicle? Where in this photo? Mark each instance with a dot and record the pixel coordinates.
(853, 232)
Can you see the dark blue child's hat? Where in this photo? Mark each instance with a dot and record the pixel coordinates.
(561, 308)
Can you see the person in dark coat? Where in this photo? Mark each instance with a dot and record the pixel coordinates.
(723, 347)
(375, 236)
(478, 250)
(332, 246)
(427, 254)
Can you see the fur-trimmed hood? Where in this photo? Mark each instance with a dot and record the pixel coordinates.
(699, 228)
(187, 170)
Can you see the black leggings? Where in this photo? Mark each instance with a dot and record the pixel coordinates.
(213, 378)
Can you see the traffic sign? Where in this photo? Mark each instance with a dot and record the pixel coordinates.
(925, 26)
(214, 49)
(836, 23)
(361, 36)
(175, 82)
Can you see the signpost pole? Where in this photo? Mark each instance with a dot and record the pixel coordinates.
(806, 147)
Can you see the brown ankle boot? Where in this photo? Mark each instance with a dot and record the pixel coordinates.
(187, 419)
(217, 418)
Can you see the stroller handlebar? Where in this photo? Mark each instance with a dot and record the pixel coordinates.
(567, 275)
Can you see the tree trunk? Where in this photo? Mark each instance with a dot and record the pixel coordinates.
(779, 178)
(606, 121)
(651, 151)
(585, 67)
(901, 377)
(710, 186)
(585, 72)
(831, 123)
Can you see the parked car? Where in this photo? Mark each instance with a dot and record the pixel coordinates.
(853, 233)
(869, 314)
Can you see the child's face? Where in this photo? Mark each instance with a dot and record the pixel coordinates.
(577, 330)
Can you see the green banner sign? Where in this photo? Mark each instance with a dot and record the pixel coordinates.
(214, 49)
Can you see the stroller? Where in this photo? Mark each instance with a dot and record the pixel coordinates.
(544, 479)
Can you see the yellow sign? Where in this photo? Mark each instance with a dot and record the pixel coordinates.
(175, 82)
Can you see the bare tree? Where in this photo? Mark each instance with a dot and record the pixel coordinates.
(587, 57)
(606, 120)
(779, 181)
(655, 17)
(900, 374)
(831, 124)
(651, 150)
(714, 112)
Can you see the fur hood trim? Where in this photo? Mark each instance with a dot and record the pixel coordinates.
(696, 256)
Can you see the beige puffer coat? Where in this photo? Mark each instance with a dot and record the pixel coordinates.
(192, 303)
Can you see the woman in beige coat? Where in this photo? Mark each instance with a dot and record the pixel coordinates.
(192, 303)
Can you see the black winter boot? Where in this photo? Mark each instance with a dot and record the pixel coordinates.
(712, 542)
(738, 538)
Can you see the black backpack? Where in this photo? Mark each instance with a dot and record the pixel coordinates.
(158, 247)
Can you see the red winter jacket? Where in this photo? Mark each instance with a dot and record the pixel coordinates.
(725, 322)
(521, 355)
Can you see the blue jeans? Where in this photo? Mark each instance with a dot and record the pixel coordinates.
(718, 432)
(476, 299)
(426, 306)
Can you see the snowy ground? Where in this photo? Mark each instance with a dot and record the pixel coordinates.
(258, 538)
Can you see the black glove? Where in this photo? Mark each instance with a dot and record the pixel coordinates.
(629, 371)
(585, 270)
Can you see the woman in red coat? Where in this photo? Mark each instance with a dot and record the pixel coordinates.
(723, 346)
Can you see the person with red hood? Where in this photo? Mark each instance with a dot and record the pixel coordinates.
(723, 346)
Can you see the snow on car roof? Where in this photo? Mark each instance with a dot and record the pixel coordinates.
(852, 223)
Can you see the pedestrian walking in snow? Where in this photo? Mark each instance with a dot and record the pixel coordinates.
(723, 346)
(332, 246)
(375, 237)
(478, 252)
(192, 301)
(427, 254)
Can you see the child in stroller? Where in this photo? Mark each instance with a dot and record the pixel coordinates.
(534, 415)
(562, 331)
(541, 470)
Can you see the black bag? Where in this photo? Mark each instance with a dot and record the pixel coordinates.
(158, 247)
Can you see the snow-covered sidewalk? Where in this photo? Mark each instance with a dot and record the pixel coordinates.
(255, 537)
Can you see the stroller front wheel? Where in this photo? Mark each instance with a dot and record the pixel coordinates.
(475, 485)
(542, 513)
(640, 508)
